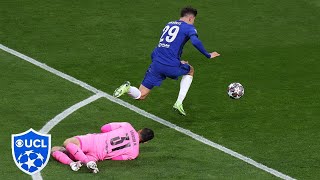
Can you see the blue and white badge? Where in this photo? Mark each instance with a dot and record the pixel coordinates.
(31, 150)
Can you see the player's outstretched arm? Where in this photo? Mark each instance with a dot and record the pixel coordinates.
(198, 44)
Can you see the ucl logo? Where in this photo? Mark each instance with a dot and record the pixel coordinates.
(30, 150)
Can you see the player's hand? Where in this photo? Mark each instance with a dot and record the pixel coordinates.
(214, 54)
(184, 62)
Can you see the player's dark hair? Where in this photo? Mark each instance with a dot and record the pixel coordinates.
(187, 11)
(146, 134)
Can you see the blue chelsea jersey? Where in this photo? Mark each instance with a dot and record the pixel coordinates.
(174, 36)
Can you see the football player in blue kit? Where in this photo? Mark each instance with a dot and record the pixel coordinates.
(166, 59)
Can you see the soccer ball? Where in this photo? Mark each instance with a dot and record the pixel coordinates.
(235, 90)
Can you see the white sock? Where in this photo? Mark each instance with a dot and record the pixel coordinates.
(134, 92)
(184, 87)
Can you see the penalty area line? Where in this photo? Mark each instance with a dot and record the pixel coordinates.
(58, 118)
(148, 115)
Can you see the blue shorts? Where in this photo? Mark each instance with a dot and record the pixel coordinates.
(158, 72)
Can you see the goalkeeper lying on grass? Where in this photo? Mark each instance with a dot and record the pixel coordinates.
(117, 141)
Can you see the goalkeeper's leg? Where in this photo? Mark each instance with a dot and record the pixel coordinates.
(60, 154)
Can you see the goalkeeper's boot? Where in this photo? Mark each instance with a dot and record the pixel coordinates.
(179, 107)
(75, 166)
(92, 166)
(124, 88)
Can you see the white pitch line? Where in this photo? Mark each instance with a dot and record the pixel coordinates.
(37, 176)
(150, 116)
(56, 120)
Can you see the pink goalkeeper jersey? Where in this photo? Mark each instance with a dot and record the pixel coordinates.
(118, 141)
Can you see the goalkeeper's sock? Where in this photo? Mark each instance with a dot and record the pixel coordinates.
(184, 87)
(61, 157)
(134, 92)
(77, 153)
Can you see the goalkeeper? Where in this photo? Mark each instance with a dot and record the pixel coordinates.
(117, 141)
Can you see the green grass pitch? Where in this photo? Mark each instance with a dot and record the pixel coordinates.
(271, 47)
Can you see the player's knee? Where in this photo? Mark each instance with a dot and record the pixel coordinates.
(70, 140)
(144, 93)
(143, 96)
(55, 148)
(67, 141)
(191, 72)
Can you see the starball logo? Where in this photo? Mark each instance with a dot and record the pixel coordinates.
(30, 150)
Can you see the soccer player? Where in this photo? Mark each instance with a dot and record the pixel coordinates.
(166, 59)
(117, 141)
